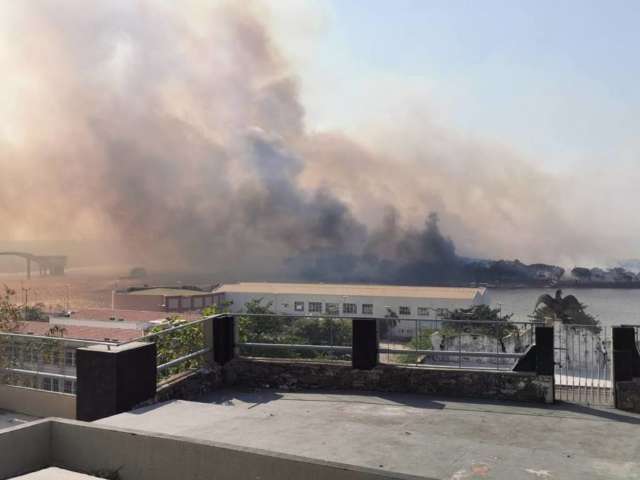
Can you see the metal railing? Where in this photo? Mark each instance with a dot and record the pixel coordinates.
(180, 346)
(40, 362)
(478, 344)
(311, 337)
(583, 363)
(459, 343)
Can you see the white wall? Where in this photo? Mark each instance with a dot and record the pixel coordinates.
(284, 303)
(38, 403)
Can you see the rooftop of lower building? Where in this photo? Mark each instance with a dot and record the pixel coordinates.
(80, 332)
(346, 290)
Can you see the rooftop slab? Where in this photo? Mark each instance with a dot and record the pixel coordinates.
(11, 419)
(54, 473)
(412, 434)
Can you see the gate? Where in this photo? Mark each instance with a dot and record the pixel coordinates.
(583, 364)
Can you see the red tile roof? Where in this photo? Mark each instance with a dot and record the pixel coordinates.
(128, 315)
(81, 332)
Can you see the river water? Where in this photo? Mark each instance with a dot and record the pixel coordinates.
(609, 305)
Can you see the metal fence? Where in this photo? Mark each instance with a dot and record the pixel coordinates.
(180, 346)
(318, 337)
(40, 362)
(484, 344)
(419, 342)
(583, 364)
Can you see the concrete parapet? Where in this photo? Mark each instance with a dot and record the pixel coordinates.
(110, 452)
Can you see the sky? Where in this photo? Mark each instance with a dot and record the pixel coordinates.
(322, 126)
(555, 79)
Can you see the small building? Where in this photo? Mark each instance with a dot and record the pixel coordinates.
(47, 362)
(408, 304)
(110, 318)
(162, 299)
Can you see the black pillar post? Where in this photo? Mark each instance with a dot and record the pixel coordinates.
(113, 379)
(364, 343)
(539, 358)
(626, 360)
(223, 339)
(545, 363)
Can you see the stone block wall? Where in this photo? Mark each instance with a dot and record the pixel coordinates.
(304, 375)
(628, 395)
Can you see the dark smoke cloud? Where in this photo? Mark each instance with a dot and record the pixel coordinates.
(173, 136)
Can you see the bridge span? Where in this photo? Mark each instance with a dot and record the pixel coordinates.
(47, 264)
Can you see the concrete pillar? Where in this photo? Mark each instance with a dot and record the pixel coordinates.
(364, 355)
(626, 360)
(113, 379)
(223, 339)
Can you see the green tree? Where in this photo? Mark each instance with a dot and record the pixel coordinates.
(482, 320)
(567, 310)
(181, 342)
(9, 313)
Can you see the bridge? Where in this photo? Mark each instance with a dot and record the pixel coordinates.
(47, 264)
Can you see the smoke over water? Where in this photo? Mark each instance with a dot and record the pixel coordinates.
(173, 136)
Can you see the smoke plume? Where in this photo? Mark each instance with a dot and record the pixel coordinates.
(174, 137)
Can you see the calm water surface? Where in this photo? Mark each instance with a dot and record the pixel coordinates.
(610, 306)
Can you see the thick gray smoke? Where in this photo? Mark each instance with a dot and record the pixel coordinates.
(174, 137)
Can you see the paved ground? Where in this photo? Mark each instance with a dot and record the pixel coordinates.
(11, 419)
(54, 473)
(435, 438)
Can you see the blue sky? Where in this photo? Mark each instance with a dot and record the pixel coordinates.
(557, 80)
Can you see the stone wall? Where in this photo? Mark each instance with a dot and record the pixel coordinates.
(303, 375)
(189, 386)
(628, 395)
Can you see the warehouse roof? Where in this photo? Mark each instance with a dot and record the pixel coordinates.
(167, 292)
(449, 293)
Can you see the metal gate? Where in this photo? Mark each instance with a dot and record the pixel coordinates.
(583, 364)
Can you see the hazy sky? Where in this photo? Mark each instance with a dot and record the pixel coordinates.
(555, 79)
(324, 125)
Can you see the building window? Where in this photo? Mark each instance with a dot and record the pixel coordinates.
(349, 308)
(404, 310)
(331, 309)
(46, 383)
(423, 311)
(69, 358)
(367, 309)
(315, 307)
(298, 306)
(55, 384)
(69, 387)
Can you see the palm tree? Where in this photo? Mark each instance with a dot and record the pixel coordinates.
(567, 310)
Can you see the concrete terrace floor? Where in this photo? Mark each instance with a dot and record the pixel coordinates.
(430, 437)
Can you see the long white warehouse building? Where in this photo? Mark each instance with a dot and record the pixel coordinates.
(351, 300)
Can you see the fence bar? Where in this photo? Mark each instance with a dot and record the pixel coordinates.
(179, 360)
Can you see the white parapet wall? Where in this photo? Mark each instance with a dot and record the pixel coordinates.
(37, 403)
(91, 449)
